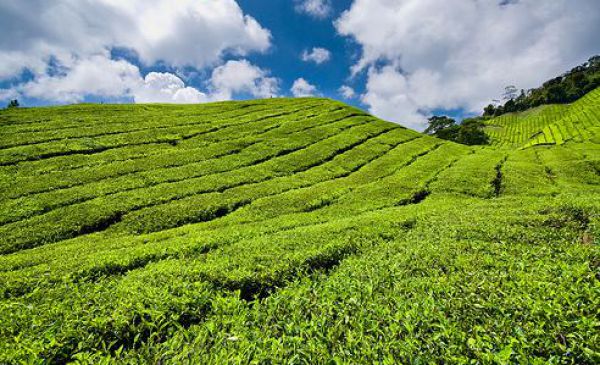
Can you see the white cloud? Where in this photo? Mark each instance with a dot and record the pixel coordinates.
(97, 75)
(301, 88)
(242, 77)
(7, 94)
(317, 55)
(346, 91)
(422, 55)
(182, 33)
(67, 45)
(389, 97)
(164, 87)
(315, 8)
(101, 76)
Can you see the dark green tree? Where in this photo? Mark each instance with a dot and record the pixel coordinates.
(594, 62)
(565, 88)
(438, 123)
(471, 132)
(510, 106)
(489, 110)
(556, 93)
(499, 111)
(13, 104)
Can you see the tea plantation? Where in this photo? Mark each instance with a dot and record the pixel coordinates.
(548, 124)
(298, 231)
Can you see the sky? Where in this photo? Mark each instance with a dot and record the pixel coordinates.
(401, 60)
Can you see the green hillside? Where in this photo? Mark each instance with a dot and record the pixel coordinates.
(296, 231)
(548, 124)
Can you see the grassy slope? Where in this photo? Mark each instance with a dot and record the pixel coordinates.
(548, 124)
(296, 230)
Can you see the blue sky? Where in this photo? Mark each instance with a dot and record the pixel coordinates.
(402, 60)
(294, 33)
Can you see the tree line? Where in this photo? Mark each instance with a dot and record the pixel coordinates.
(469, 131)
(563, 89)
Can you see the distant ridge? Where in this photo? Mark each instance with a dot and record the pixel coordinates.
(549, 124)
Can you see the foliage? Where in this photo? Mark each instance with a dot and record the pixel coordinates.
(13, 104)
(566, 88)
(439, 124)
(296, 231)
(547, 124)
(469, 131)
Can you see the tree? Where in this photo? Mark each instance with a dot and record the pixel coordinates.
(438, 123)
(578, 80)
(565, 88)
(510, 106)
(442, 127)
(450, 133)
(594, 62)
(489, 110)
(556, 94)
(499, 111)
(471, 132)
(510, 92)
(13, 104)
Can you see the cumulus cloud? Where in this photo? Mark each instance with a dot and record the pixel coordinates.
(346, 91)
(302, 87)
(316, 8)
(67, 45)
(422, 55)
(164, 87)
(188, 33)
(242, 77)
(100, 76)
(97, 75)
(389, 97)
(233, 77)
(6, 94)
(317, 55)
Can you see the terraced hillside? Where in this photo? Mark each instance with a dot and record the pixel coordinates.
(548, 124)
(296, 231)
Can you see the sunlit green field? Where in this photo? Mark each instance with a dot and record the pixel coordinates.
(549, 124)
(296, 231)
